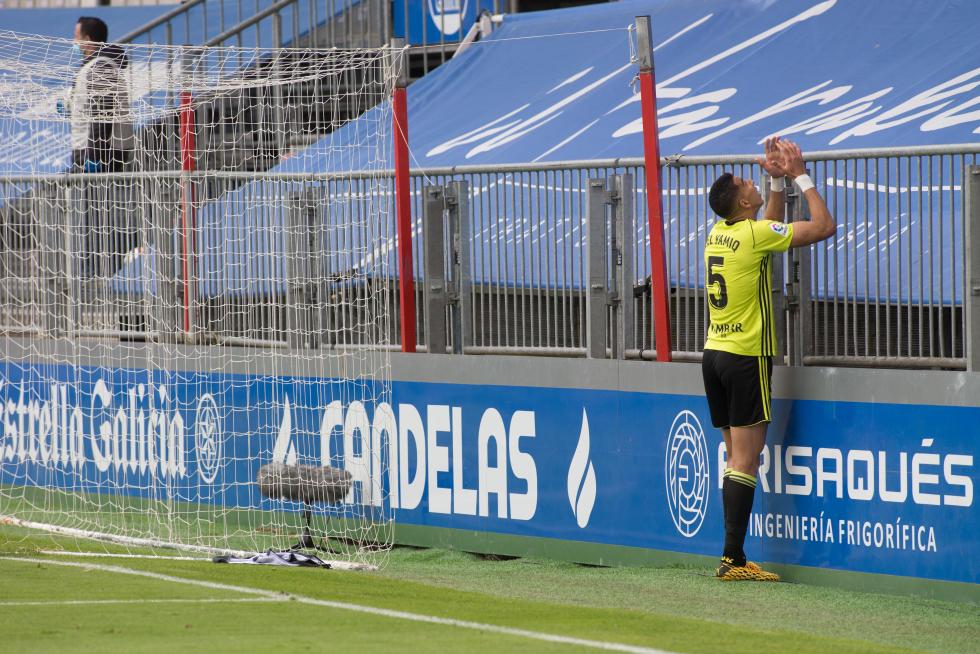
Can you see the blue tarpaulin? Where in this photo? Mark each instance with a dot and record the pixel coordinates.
(557, 85)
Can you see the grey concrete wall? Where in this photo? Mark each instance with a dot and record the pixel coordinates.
(944, 388)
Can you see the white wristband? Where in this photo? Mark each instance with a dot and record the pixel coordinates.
(777, 184)
(804, 182)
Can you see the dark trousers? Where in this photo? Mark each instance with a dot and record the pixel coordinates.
(111, 222)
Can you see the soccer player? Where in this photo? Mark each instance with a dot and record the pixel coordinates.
(737, 364)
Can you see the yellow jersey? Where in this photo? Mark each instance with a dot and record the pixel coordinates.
(738, 282)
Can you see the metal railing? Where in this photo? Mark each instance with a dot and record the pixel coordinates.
(270, 24)
(321, 24)
(308, 260)
(306, 24)
(299, 23)
(64, 241)
(888, 289)
(52, 4)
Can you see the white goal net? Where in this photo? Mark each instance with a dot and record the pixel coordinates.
(195, 281)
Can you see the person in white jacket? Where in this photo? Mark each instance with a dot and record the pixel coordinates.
(98, 107)
(102, 141)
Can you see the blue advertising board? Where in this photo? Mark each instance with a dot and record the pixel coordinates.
(874, 488)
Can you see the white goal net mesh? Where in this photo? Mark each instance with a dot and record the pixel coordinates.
(195, 281)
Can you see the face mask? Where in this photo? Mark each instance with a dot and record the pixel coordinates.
(76, 53)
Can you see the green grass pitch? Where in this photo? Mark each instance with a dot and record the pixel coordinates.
(46, 607)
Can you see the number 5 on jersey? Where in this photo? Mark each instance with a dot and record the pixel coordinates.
(719, 299)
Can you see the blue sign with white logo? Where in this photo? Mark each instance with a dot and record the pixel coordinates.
(431, 22)
(881, 488)
(686, 473)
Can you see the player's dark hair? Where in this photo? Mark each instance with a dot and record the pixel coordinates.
(93, 29)
(723, 195)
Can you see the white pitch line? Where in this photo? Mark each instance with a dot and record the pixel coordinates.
(107, 555)
(203, 600)
(149, 575)
(359, 608)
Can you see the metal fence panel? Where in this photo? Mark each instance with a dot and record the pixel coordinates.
(888, 289)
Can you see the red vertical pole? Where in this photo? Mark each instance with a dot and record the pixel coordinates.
(659, 288)
(403, 204)
(187, 165)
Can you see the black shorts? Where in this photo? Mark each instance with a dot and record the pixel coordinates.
(737, 388)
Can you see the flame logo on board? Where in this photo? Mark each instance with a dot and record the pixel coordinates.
(284, 451)
(581, 478)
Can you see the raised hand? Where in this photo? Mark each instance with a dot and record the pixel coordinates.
(773, 162)
(791, 158)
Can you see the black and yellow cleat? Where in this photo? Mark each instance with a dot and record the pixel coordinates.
(755, 566)
(728, 571)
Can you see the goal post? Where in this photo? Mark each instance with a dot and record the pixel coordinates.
(197, 279)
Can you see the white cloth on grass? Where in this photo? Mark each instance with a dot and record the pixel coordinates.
(287, 558)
